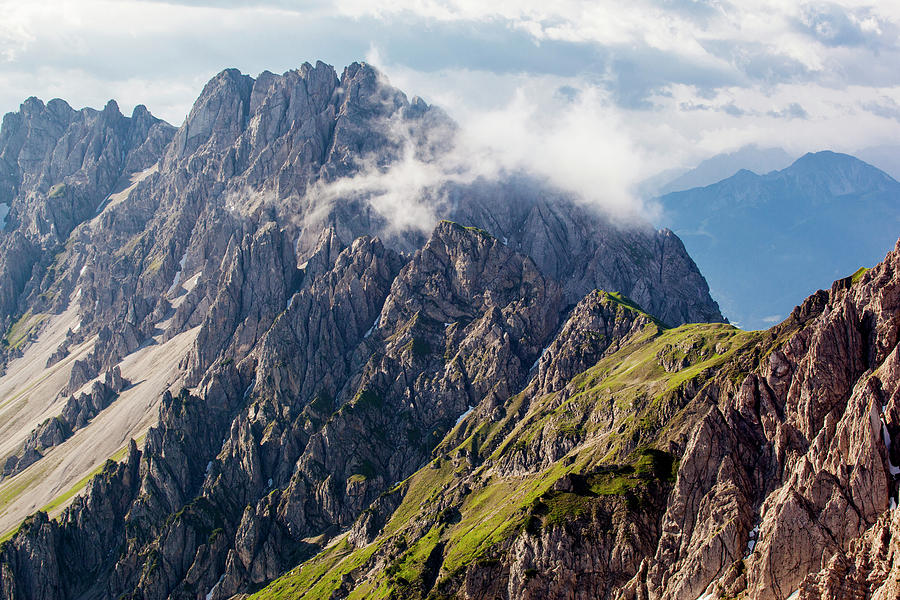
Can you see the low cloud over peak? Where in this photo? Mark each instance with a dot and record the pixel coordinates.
(615, 90)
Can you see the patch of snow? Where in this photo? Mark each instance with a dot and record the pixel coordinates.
(893, 503)
(464, 415)
(793, 595)
(754, 538)
(175, 281)
(83, 269)
(208, 467)
(373, 327)
(177, 278)
(505, 241)
(290, 302)
(894, 469)
(270, 482)
(543, 352)
(447, 325)
(4, 210)
(77, 327)
(249, 389)
(77, 294)
(213, 589)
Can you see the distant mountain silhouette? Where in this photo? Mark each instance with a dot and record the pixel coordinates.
(886, 158)
(714, 169)
(765, 242)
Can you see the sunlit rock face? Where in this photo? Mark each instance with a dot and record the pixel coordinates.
(289, 342)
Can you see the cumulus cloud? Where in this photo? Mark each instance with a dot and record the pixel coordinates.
(570, 138)
(684, 124)
(405, 193)
(885, 107)
(579, 145)
(592, 95)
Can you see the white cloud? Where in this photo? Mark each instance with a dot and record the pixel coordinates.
(717, 33)
(658, 83)
(579, 145)
(602, 150)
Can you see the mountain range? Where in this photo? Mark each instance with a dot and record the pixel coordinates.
(233, 367)
(718, 167)
(765, 241)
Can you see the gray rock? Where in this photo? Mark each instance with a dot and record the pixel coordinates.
(334, 353)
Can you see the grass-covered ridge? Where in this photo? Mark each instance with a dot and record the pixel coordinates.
(20, 331)
(858, 274)
(626, 303)
(493, 481)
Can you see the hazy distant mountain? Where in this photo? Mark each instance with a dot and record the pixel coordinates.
(752, 158)
(765, 242)
(886, 158)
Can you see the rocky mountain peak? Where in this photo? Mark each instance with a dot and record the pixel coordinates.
(599, 325)
(217, 117)
(58, 167)
(33, 106)
(839, 173)
(287, 350)
(140, 113)
(111, 109)
(466, 269)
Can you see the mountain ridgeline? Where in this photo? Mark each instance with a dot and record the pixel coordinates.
(765, 241)
(220, 380)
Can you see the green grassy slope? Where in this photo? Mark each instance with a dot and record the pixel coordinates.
(613, 424)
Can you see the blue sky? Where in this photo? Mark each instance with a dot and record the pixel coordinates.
(620, 89)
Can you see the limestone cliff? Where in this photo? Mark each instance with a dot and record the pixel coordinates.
(322, 372)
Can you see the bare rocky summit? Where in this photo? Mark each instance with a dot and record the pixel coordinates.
(352, 408)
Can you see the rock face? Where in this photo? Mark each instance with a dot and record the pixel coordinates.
(811, 473)
(868, 569)
(336, 355)
(79, 410)
(57, 165)
(647, 462)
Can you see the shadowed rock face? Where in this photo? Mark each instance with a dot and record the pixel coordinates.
(640, 461)
(334, 352)
(57, 165)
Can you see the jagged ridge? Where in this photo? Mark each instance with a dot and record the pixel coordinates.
(674, 466)
(267, 450)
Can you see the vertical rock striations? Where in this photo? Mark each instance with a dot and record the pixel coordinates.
(336, 354)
